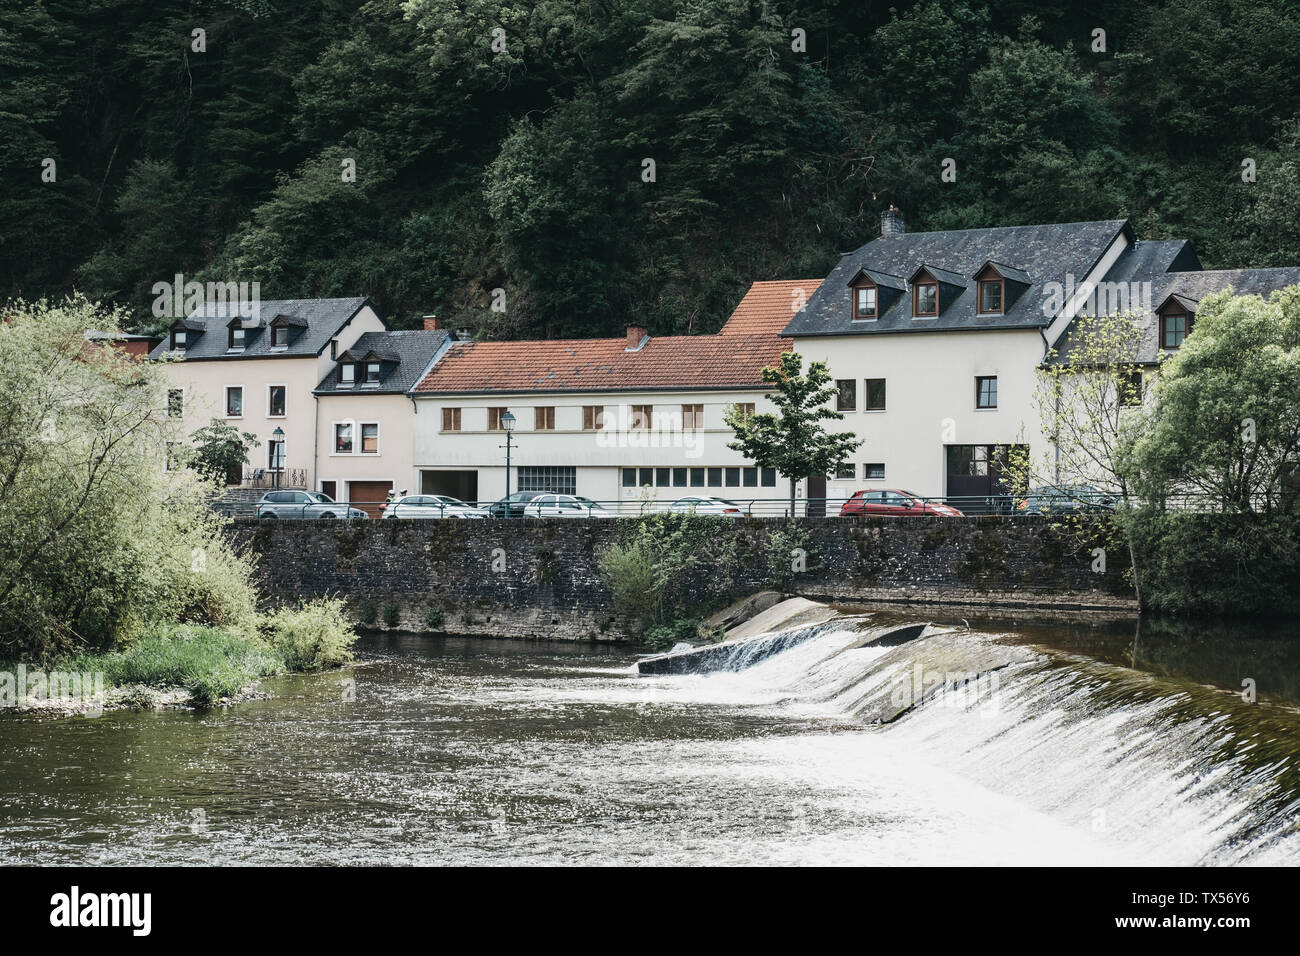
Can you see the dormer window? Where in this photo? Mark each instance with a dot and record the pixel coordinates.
(372, 373)
(925, 299)
(237, 337)
(347, 374)
(1174, 327)
(178, 340)
(279, 336)
(864, 302)
(990, 296)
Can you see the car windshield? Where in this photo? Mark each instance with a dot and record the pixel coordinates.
(320, 497)
(448, 500)
(587, 503)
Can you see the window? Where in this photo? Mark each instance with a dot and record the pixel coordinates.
(173, 459)
(544, 418)
(874, 471)
(1174, 327)
(178, 340)
(642, 416)
(744, 409)
(560, 479)
(846, 395)
(372, 373)
(451, 419)
(275, 398)
(769, 477)
(679, 477)
(697, 477)
(629, 477)
(593, 417)
(275, 455)
(279, 336)
(986, 391)
(848, 470)
(875, 394)
(1130, 388)
(733, 477)
(749, 477)
(234, 401)
(343, 439)
(692, 416)
(347, 375)
(661, 477)
(715, 477)
(990, 299)
(370, 439)
(175, 403)
(647, 477)
(926, 298)
(864, 302)
(494, 420)
(237, 336)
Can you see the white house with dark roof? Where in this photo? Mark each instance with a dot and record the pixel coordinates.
(365, 417)
(258, 371)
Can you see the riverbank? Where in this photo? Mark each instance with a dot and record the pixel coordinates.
(184, 666)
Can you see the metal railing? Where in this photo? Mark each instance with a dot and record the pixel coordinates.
(755, 507)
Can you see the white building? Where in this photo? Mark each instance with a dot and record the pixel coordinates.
(609, 419)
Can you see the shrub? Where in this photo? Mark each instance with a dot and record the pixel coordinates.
(312, 636)
(367, 614)
(629, 573)
(433, 620)
(392, 615)
(663, 636)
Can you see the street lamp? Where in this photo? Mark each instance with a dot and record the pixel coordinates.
(508, 423)
(277, 453)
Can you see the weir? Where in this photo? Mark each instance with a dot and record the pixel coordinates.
(1186, 773)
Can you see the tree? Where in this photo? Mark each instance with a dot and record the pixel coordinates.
(793, 441)
(1225, 427)
(97, 540)
(220, 449)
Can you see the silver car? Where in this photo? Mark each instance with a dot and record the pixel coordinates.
(565, 506)
(431, 506)
(304, 504)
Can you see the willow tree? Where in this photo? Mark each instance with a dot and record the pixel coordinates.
(793, 440)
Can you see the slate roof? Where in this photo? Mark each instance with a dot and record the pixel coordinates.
(320, 319)
(1188, 287)
(768, 306)
(703, 362)
(412, 352)
(1044, 253)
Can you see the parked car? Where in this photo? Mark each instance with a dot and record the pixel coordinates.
(1065, 499)
(304, 504)
(893, 501)
(517, 500)
(565, 506)
(431, 506)
(707, 505)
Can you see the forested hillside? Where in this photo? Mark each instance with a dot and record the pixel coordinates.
(524, 168)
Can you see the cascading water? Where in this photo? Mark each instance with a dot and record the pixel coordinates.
(1168, 770)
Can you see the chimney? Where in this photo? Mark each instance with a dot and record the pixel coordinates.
(432, 323)
(635, 336)
(891, 223)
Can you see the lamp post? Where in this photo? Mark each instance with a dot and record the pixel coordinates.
(508, 423)
(277, 453)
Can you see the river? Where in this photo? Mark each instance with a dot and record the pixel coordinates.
(1099, 745)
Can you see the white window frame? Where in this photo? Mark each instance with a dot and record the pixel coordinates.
(284, 386)
(225, 402)
(334, 438)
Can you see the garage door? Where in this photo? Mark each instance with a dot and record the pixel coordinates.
(369, 496)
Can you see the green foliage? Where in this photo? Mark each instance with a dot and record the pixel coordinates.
(311, 636)
(434, 619)
(662, 637)
(209, 662)
(97, 542)
(793, 440)
(368, 614)
(392, 615)
(628, 569)
(220, 449)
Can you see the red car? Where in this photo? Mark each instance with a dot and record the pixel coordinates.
(892, 501)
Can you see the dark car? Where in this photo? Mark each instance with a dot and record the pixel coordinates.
(1065, 499)
(893, 501)
(517, 500)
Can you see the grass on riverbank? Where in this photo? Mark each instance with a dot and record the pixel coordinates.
(213, 662)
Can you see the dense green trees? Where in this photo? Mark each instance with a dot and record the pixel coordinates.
(515, 159)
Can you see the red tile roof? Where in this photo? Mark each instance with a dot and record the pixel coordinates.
(768, 306)
(567, 365)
